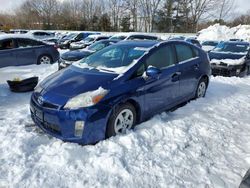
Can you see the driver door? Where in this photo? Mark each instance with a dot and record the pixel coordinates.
(163, 92)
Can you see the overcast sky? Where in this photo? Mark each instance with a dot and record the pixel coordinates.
(9, 5)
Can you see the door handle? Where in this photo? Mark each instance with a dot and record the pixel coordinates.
(175, 76)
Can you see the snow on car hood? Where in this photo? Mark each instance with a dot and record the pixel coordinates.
(228, 61)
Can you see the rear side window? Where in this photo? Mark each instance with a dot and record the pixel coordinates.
(7, 44)
(184, 52)
(162, 58)
(26, 43)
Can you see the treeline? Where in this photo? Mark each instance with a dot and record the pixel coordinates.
(117, 15)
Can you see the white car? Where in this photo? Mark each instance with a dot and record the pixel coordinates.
(134, 36)
(87, 41)
(41, 35)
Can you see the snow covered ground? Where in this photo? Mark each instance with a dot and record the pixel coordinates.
(202, 144)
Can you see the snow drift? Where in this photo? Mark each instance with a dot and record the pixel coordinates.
(220, 32)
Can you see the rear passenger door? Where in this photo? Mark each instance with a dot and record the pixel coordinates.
(189, 62)
(8, 53)
(26, 52)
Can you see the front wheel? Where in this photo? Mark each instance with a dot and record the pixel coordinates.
(122, 119)
(202, 88)
(44, 59)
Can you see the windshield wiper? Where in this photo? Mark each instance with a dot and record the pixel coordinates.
(105, 70)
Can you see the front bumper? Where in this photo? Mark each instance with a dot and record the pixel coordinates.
(228, 71)
(60, 123)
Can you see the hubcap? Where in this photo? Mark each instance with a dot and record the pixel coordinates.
(201, 90)
(124, 121)
(45, 60)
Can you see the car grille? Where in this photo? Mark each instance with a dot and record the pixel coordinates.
(38, 116)
(46, 104)
(221, 72)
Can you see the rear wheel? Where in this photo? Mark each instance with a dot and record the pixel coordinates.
(44, 59)
(122, 119)
(202, 88)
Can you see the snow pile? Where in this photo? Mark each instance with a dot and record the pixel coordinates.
(202, 144)
(221, 33)
(216, 32)
(228, 61)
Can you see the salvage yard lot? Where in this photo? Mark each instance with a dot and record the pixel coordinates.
(204, 143)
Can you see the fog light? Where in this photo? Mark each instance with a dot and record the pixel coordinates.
(79, 126)
(238, 71)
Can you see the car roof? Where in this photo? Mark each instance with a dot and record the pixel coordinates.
(97, 36)
(146, 43)
(15, 36)
(132, 34)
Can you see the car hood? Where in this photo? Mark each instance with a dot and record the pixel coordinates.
(72, 81)
(75, 55)
(224, 55)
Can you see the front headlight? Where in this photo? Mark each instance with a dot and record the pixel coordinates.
(86, 99)
(238, 71)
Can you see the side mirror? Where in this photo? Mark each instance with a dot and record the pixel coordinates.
(153, 72)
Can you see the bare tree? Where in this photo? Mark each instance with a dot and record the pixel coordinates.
(224, 7)
(149, 9)
(199, 8)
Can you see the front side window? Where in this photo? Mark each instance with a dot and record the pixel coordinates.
(7, 44)
(162, 57)
(184, 52)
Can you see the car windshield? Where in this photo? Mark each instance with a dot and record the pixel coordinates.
(70, 36)
(115, 58)
(89, 39)
(230, 47)
(97, 46)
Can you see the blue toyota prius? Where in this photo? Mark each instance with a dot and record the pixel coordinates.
(118, 87)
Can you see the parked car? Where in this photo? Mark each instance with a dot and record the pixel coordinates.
(194, 42)
(230, 59)
(87, 41)
(190, 40)
(41, 35)
(209, 45)
(18, 31)
(16, 50)
(70, 57)
(52, 41)
(65, 42)
(118, 87)
(134, 36)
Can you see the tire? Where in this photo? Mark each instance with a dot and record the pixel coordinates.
(44, 59)
(201, 88)
(248, 70)
(122, 119)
